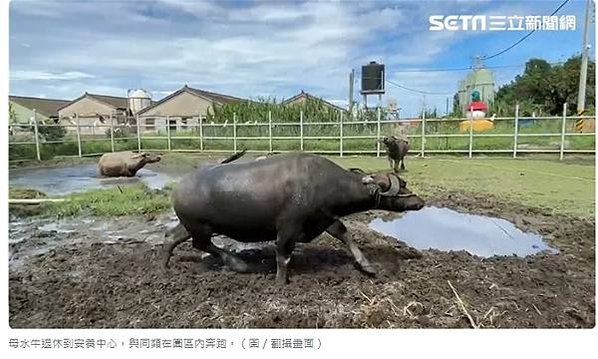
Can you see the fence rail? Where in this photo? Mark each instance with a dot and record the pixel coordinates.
(334, 135)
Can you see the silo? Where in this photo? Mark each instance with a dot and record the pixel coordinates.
(138, 100)
(480, 79)
(484, 83)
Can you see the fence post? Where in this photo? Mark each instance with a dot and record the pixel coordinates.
(168, 133)
(301, 128)
(378, 133)
(516, 131)
(111, 132)
(78, 134)
(563, 131)
(423, 136)
(270, 130)
(341, 133)
(36, 133)
(234, 132)
(201, 133)
(138, 133)
(470, 134)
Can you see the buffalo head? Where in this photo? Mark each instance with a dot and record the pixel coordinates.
(391, 193)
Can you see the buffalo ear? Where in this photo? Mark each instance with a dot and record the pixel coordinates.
(382, 180)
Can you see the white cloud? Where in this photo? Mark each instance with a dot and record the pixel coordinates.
(24, 75)
(263, 48)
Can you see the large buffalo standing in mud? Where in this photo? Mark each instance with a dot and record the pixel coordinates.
(124, 164)
(289, 198)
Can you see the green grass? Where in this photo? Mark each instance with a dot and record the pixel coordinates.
(562, 187)
(130, 199)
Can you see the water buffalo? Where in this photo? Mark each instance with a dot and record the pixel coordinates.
(396, 149)
(289, 198)
(124, 164)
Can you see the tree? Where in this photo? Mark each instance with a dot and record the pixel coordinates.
(12, 114)
(544, 88)
(51, 133)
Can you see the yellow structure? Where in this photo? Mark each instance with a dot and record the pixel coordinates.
(479, 125)
(586, 125)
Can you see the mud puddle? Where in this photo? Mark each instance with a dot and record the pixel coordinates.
(445, 229)
(36, 237)
(80, 178)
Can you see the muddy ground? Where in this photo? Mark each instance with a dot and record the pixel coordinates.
(105, 273)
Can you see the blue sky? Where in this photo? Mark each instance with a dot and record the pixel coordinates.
(60, 49)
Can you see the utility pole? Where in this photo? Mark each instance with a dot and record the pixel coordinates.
(351, 82)
(583, 74)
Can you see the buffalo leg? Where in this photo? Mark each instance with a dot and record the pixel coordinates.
(391, 162)
(202, 240)
(396, 166)
(403, 163)
(339, 231)
(285, 244)
(178, 234)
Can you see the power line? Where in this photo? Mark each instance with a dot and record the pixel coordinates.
(418, 91)
(524, 37)
(449, 69)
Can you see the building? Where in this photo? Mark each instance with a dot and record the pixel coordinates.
(24, 107)
(302, 97)
(92, 111)
(479, 79)
(182, 109)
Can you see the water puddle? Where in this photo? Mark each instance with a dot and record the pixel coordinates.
(445, 229)
(80, 178)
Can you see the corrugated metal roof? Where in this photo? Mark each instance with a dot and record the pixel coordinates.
(308, 96)
(44, 106)
(114, 101)
(216, 97)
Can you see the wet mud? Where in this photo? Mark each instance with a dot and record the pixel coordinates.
(106, 273)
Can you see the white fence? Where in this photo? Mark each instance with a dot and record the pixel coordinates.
(418, 132)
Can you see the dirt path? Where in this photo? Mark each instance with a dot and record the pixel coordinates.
(106, 274)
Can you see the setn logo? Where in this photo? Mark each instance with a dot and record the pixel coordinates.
(457, 22)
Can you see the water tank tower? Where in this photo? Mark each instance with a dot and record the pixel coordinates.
(373, 78)
(138, 100)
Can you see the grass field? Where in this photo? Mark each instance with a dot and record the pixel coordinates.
(564, 187)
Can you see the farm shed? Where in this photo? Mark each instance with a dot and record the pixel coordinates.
(93, 110)
(302, 97)
(23, 107)
(182, 108)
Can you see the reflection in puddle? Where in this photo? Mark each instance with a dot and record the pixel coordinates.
(445, 229)
(65, 180)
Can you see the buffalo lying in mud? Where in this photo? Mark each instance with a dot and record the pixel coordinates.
(124, 164)
(289, 198)
(396, 150)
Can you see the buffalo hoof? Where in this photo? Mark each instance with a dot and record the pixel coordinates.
(165, 262)
(282, 280)
(367, 269)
